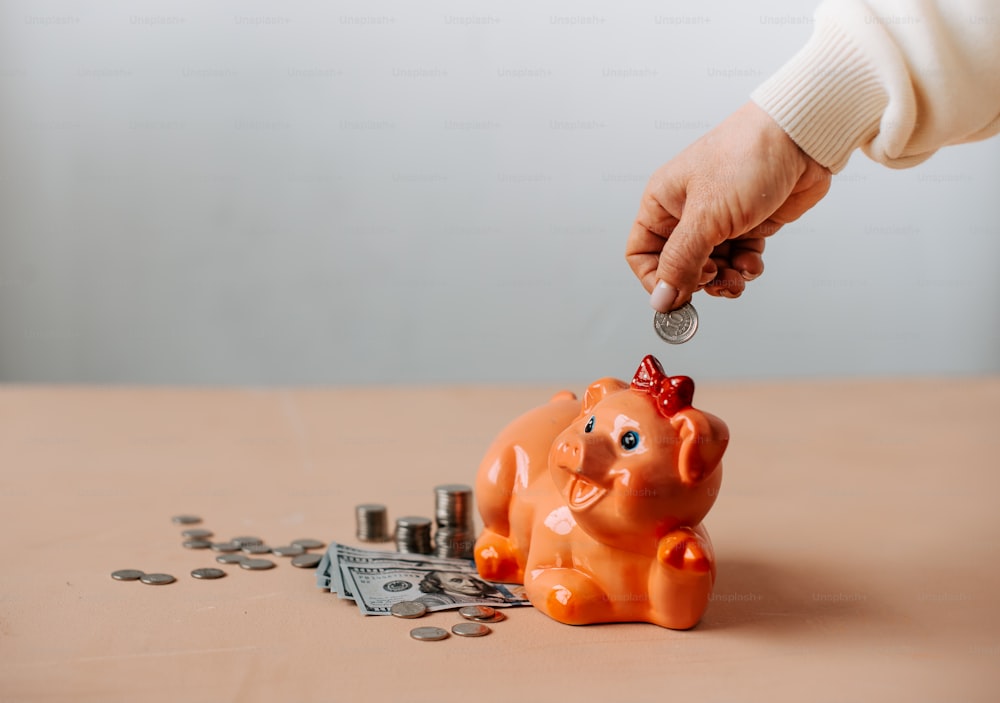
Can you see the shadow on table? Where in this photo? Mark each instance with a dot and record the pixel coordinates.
(786, 597)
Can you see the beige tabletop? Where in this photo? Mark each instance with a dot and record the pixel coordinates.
(857, 536)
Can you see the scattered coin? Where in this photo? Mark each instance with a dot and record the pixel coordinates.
(477, 612)
(307, 561)
(676, 326)
(290, 550)
(309, 543)
(186, 519)
(429, 634)
(471, 629)
(408, 609)
(196, 544)
(225, 547)
(208, 573)
(496, 618)
(244, 541)
(197, 533)
(257, 564)
(127, 575)
(256, 549)
(157, 579)
(230, 558)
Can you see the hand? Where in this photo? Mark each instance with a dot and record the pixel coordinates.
(704, 215)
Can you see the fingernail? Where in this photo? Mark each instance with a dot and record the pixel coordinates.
(747, 276)
(663, 297)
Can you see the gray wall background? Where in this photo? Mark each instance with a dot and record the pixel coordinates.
(355, 192)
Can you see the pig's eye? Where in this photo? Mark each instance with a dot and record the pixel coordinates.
(630, 440)
(590, 425)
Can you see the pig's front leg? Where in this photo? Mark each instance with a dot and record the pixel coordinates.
(680, 583)
(567, 595)
(496, 559)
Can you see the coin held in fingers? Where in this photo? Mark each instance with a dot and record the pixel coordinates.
(676, 326)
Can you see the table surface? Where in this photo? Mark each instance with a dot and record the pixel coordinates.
(856, 533)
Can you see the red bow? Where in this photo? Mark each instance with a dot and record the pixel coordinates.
(669, 393)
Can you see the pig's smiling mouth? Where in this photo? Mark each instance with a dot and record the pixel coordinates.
(583, 493)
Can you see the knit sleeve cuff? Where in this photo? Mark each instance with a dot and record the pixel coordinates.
(828, 98)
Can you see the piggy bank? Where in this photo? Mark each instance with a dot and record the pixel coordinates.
(597, 506)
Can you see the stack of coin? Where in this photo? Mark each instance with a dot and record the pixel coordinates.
(372, 523)
(413, 535)
(455, 535)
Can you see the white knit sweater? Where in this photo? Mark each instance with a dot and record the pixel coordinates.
(898, 78)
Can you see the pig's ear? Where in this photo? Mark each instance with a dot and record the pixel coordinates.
(599, 389)
(703, 439)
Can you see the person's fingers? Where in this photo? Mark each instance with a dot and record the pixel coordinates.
(682, 260)
(728, 283)
(642, 252)
(709, 271)
(646, 238)
(745, 255)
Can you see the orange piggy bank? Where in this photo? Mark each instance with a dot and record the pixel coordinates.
(596, 507)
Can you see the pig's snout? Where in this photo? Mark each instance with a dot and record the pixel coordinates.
(588, 455)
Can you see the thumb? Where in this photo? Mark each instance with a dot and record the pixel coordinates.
(682, 259)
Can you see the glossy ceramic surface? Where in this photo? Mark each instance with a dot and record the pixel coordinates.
(596, 505)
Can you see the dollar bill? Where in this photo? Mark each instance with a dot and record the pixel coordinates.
(323, 570)
(377, 588)
(342, 555)
(440, 583)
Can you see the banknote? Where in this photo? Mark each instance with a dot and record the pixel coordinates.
(323, 570)
(390, 577)
(341, 554)
(377, 588)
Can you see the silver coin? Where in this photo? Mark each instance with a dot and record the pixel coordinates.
(157, 579)
(256, 549)
(230, 558)
(225, 547)
(197, 533)
(676, 326)
(408, 609)
(308, 543)
(307, 561)
(208, 573)
(244, 541)
(290, 550)
(477, 612)
(372, 522)
(413, 535)
(471, 629)
(428, 634)
(196, 544)
(496, 618)
(185, 519)
(453, 506)
(127, 575)
(454, 542)
(257, 564)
